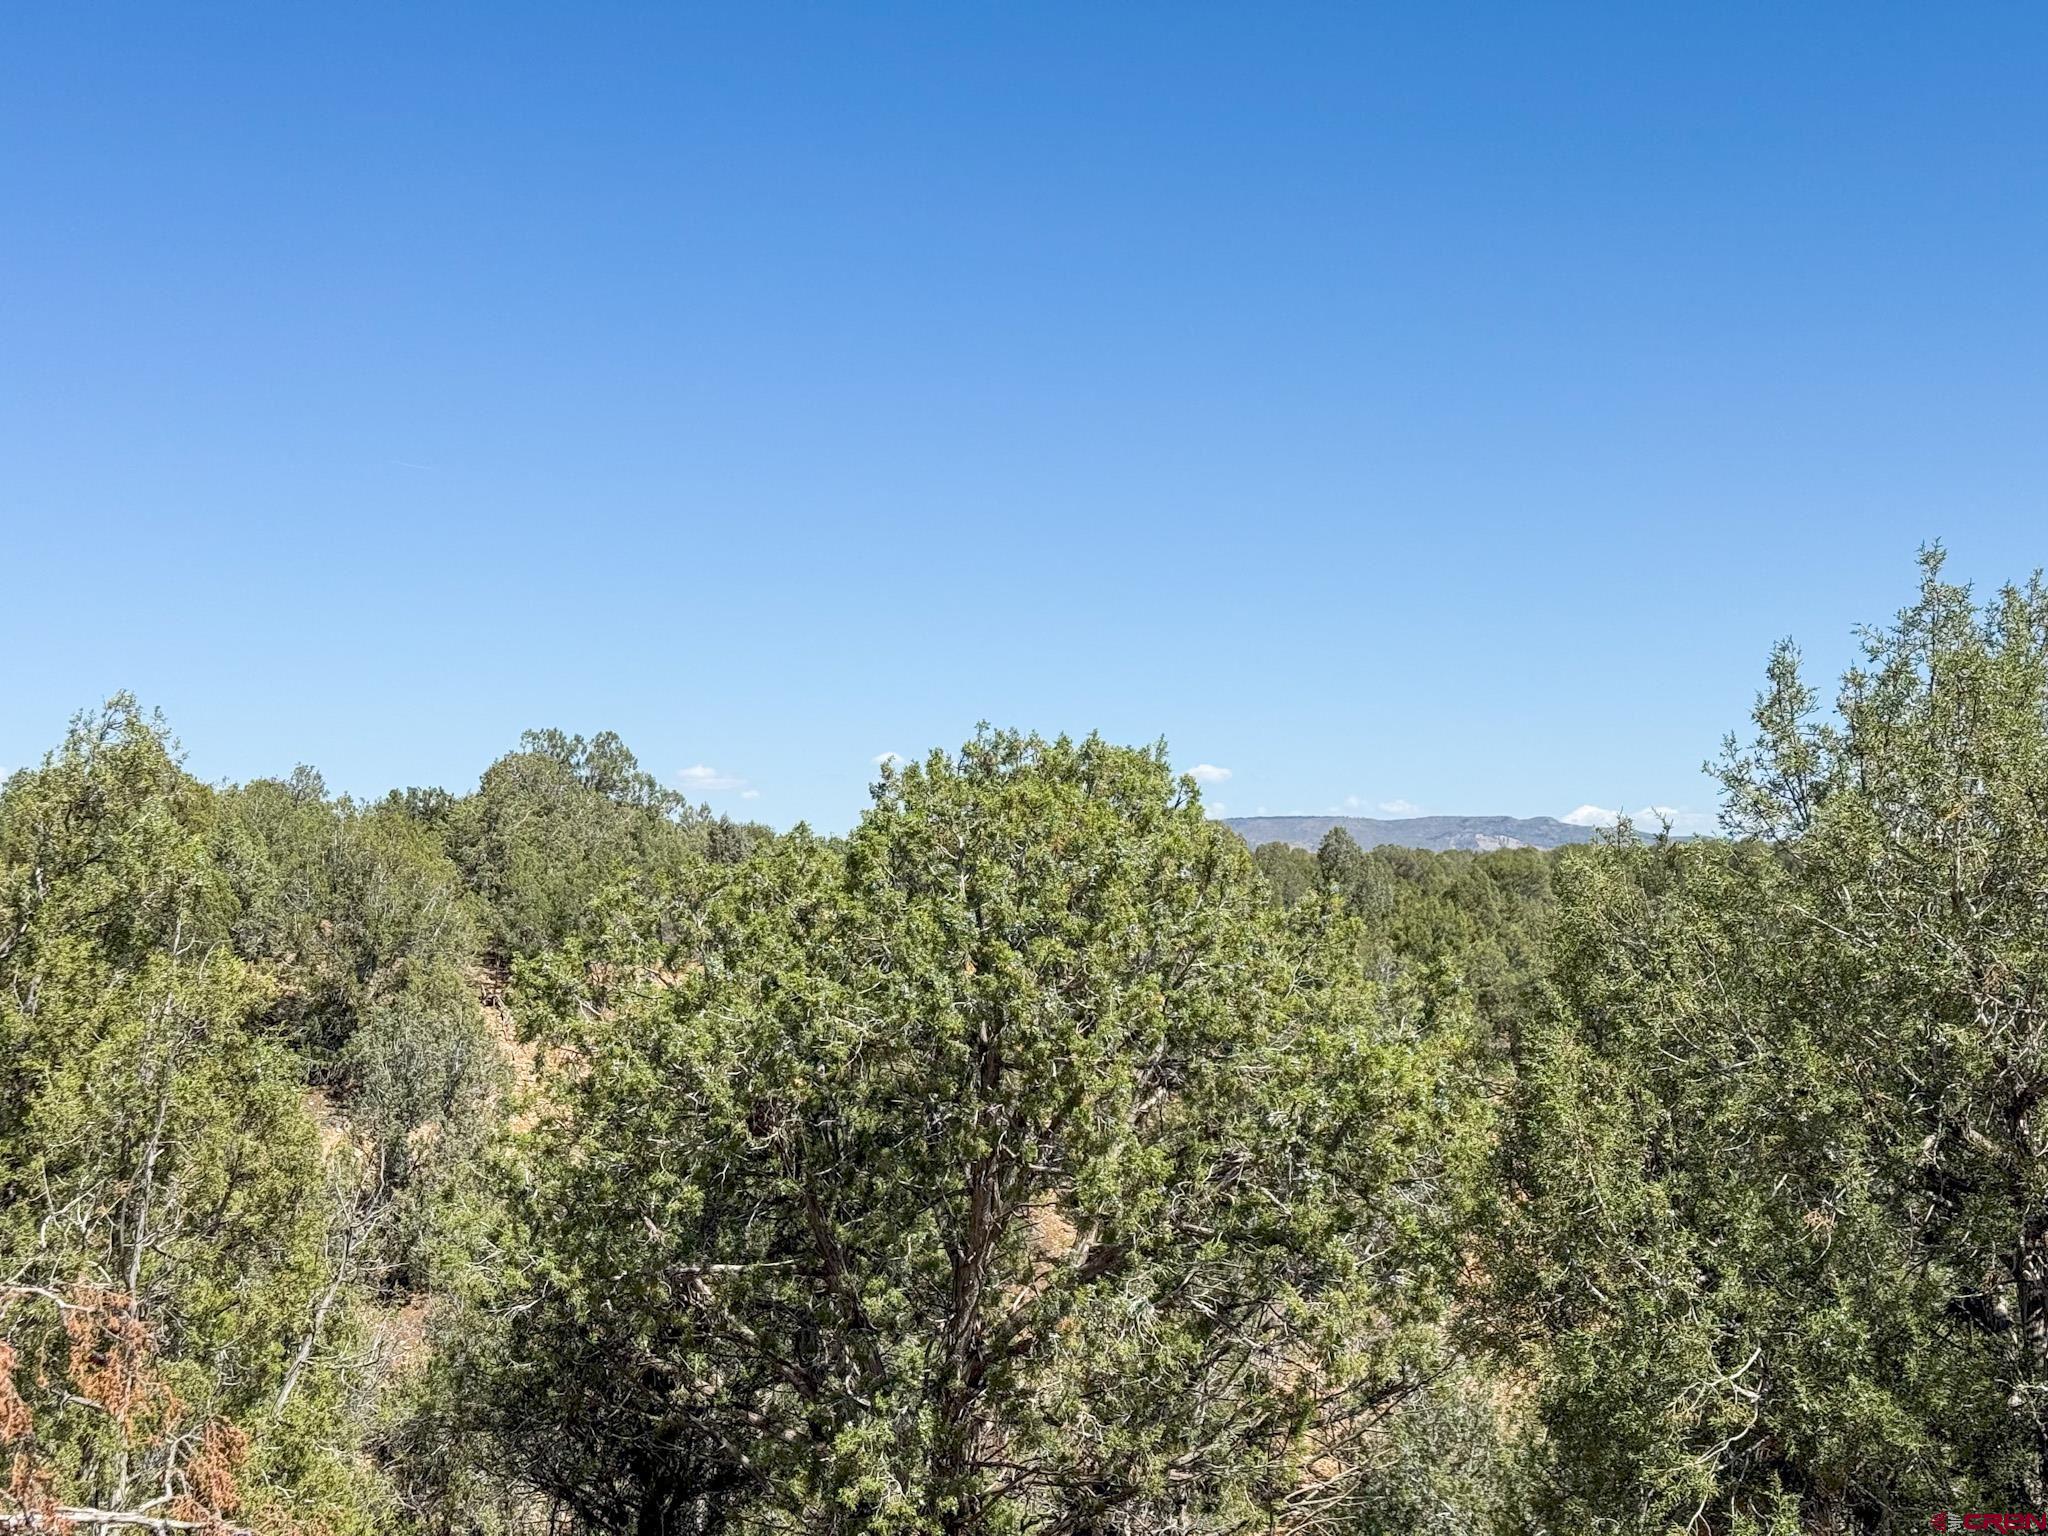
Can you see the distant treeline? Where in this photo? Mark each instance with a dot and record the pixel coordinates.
(1035, 1160)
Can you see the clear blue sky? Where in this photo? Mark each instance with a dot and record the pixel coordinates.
(1431, 404)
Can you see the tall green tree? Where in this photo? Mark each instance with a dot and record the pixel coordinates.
(1018, 1169)
(347, 908)
(162, 1191)
(362, 928)
(552, 826)
(1781, 1146)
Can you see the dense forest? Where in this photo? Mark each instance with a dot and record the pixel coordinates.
(1034, 1160)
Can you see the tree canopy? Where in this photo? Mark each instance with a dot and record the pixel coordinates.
(1034, 1160)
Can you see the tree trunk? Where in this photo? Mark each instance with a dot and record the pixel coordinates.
(2030, 1266)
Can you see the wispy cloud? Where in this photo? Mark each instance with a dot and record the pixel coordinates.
(1208, 773)
(750, 794)
(1217, 809)
(1646, 819)
(1399, 807)
(885, 759)
(703, 779)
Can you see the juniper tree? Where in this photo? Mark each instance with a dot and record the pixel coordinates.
(1018, 1168)
(1781, 1149)
(162, 1198)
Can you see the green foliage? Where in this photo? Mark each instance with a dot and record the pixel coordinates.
(1787, 1209)
(556, 823)
(362, 924)
(1035, 1159)
(348, 909)
(1465, 926)
(1456, 1457)
(161, 1213)
(1020, 1169)
(1290, 873)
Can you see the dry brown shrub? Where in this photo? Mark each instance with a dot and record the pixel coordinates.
(110, 1361)
(28, 1490)
(211, 1490)
(15, 1420)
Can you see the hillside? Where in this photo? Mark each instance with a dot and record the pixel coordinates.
(1435, 833)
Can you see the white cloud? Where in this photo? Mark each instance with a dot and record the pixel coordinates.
(1400, 807)
(1648, 818)
(1208, 773)
(1353, 803)
(1683, 822)
(750, 794)
(1217, 810)
(884, 759)
(703, 779)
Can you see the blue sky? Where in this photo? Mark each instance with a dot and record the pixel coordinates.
(1430, 405)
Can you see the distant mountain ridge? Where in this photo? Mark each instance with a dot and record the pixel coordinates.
(1437, 834)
